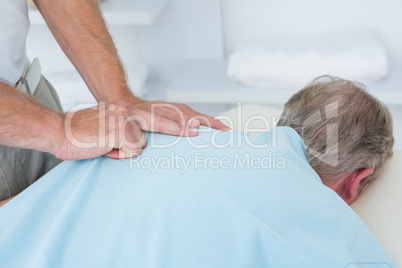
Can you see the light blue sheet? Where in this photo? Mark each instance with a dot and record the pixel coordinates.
(127, 213)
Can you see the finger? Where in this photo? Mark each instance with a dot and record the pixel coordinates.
(209, 121)
(166, 126)
(214, 123)
(126, 151)
(133, 140)
(204, 119)
(155, 123)
(118, 154)
(127, 139)
(193, 123)
(173, 114)
(114, 154)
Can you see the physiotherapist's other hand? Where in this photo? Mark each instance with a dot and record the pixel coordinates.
(112, 129)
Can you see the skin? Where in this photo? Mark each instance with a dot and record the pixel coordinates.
(349, 187)
(81, 32)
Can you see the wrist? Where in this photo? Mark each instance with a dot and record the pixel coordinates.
(121, 93)
(55, 133)
(127, 96)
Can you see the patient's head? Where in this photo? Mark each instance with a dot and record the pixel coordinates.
(346, 131)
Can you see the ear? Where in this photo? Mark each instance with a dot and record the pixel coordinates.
(352, 185)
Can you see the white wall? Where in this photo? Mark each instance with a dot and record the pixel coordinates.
(186, 29)
(41, 43)
(246, 19)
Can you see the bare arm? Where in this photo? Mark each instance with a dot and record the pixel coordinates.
(80, 30)
(26, 123)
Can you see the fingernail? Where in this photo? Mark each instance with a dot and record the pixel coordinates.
(193, 123)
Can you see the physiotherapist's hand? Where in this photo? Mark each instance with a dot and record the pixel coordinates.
(109, 129)
(180, 114)
(114, 130)
(174, 115)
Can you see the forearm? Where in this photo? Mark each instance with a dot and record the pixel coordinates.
(25, 123)
(80, 30)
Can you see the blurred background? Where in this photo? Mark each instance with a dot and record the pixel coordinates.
(213, 54)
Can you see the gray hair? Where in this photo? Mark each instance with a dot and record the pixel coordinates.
(343, 127)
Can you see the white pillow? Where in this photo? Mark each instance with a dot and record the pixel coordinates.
(293, 61)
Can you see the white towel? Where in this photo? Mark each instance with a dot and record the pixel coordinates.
(358, 56)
